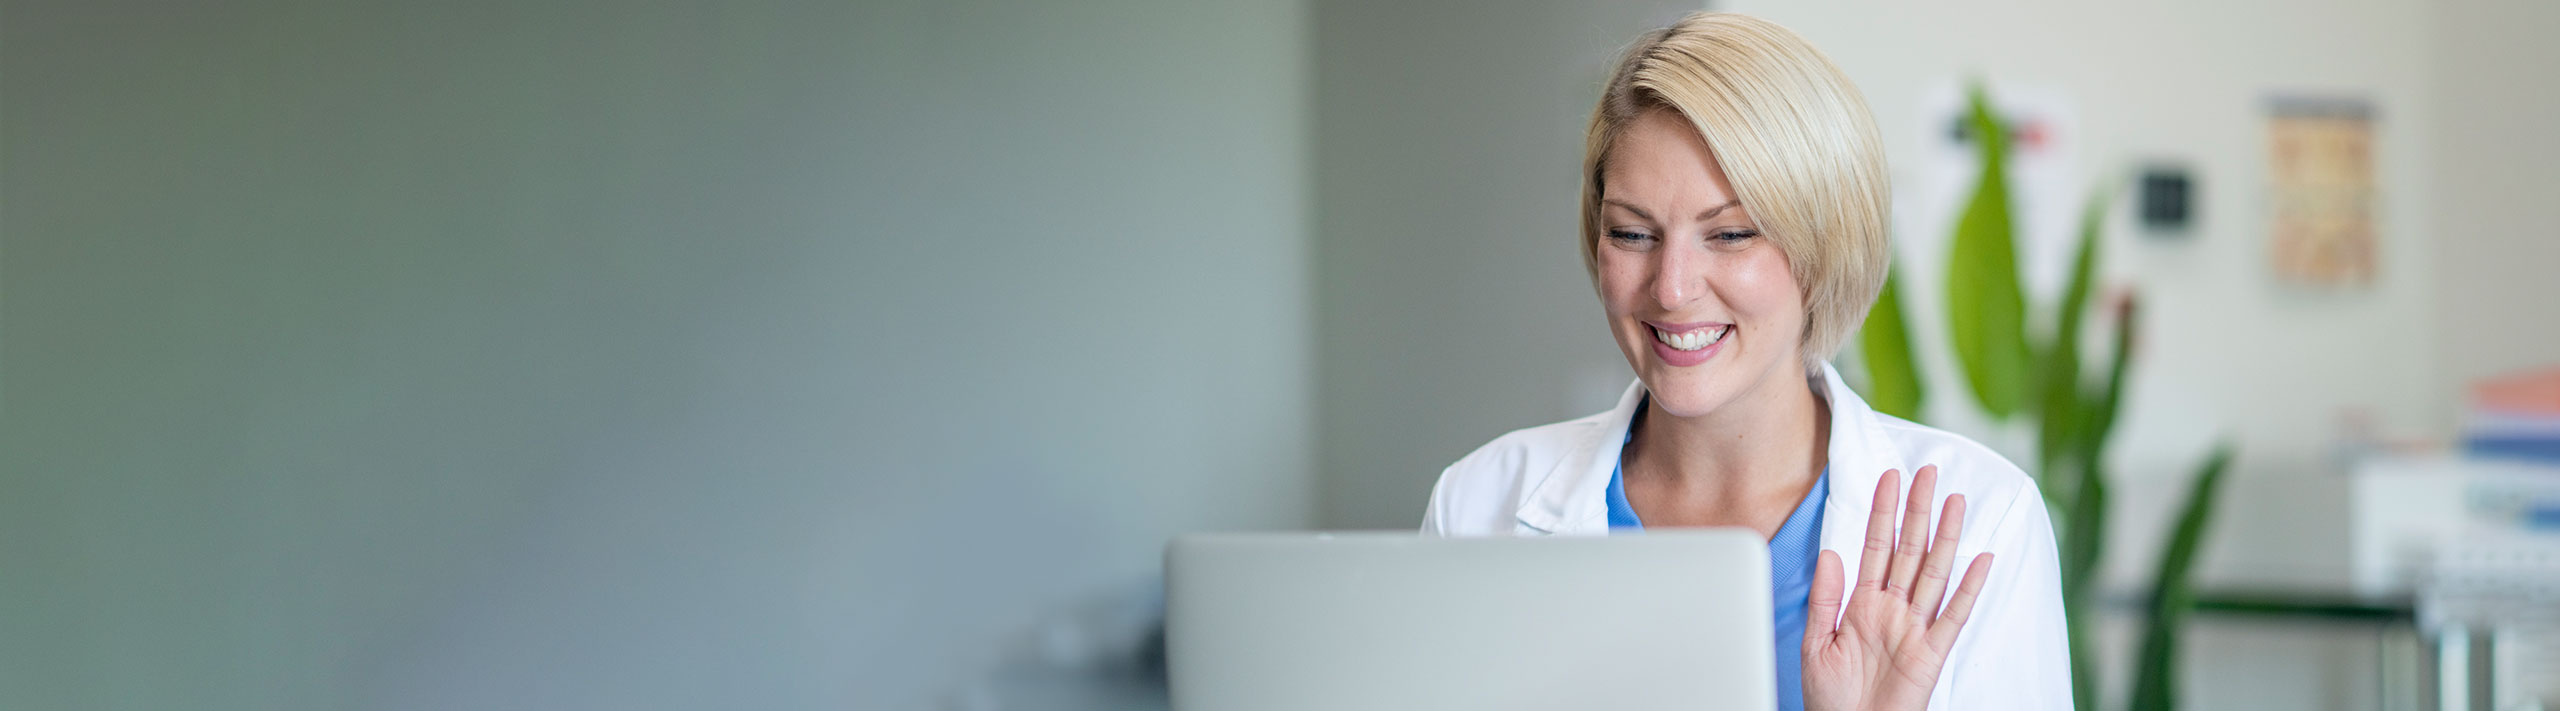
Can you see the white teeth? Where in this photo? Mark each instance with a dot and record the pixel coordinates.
(1691, 340)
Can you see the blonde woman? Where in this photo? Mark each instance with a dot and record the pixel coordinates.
(1734, 209)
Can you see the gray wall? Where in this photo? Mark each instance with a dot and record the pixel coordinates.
(617, 355)
(1450, 304)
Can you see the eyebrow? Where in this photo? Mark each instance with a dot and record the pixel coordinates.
(1702, 217)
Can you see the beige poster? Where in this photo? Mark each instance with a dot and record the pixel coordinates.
(2321, 162)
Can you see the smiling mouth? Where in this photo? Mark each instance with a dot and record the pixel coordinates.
(1691, 340)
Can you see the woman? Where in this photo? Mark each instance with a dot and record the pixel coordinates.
(1734, 207)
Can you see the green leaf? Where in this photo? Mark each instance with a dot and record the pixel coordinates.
(2155, 679)
(2098, 417)
(2059, 440)
(2084, 543)
(2081, 623)
(2084, 536)
(1986, 310)
(2084, 265)
(1884, 343)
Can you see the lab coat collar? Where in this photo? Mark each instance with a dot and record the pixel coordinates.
(1568, 500)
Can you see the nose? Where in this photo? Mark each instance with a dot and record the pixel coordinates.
(1675, 275)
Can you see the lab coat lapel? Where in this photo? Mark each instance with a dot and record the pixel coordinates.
(1859, 455)
(1569, 499)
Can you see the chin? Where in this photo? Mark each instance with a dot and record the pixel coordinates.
(1683, 395)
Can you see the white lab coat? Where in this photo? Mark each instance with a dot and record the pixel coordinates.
(1552, 479)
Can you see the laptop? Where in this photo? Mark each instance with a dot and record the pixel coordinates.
(1361, 621)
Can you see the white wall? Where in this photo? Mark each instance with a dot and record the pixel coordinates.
(599, 355)
(2496, 78)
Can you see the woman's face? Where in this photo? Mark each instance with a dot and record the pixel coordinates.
(1700, 302)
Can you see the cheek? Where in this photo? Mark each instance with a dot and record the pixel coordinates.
(1622, 280)
(1765, 289)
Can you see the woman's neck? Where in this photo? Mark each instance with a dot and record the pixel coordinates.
(1765, 446)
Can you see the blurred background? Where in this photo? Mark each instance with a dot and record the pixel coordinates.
(605, 355)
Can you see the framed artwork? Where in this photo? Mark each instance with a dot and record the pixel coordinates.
(2320, 161)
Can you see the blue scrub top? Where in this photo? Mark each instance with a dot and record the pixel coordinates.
(1791, 561)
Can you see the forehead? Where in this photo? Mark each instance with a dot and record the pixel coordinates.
(1660, 161)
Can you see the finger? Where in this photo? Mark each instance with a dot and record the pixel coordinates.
(1915, 532)
(1879, 548)
(1932, 585)
(1822, 606)
(1942, 634)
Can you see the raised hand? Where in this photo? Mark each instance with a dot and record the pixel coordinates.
(1889, 645)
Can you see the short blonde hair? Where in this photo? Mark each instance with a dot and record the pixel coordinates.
(1791, 132)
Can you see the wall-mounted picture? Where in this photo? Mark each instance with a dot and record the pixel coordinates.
(2320, 161)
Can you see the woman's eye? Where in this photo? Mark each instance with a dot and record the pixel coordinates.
(1730, 236)
(1626, 236)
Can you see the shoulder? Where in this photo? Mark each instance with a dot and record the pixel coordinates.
(1481, 493)
(1865, 443)
(1520, 450)
(1990, 482)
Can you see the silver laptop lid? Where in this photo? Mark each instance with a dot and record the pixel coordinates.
(1348, 622)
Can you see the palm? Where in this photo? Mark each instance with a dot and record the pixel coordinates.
(1891, 639)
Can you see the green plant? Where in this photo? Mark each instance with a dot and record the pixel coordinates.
(2013, 370)
(2155, 680)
